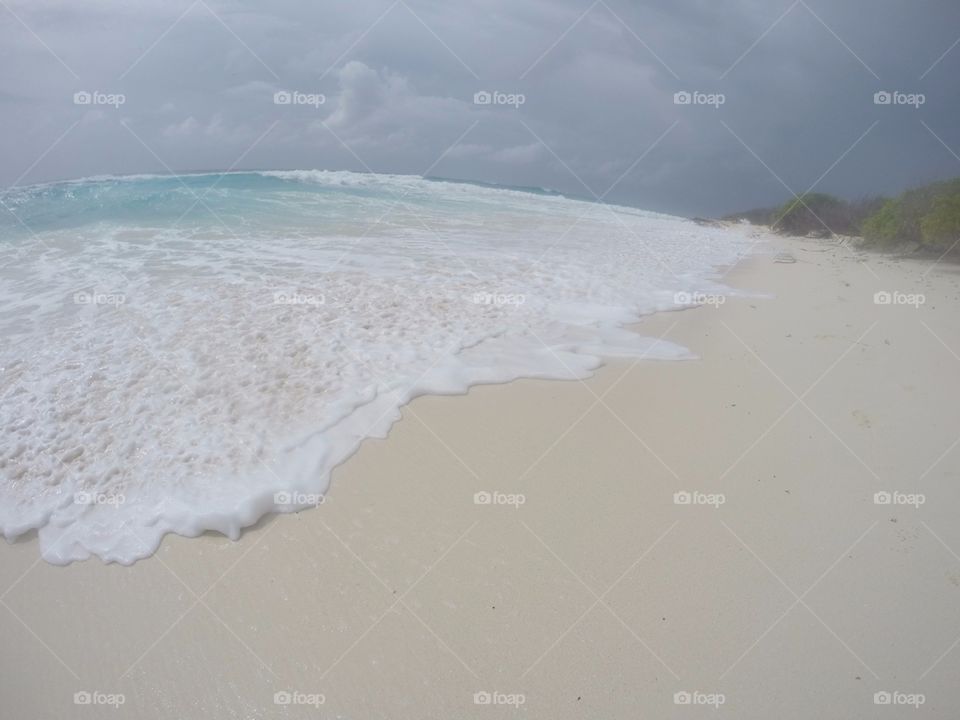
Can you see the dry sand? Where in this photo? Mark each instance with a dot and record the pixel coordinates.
(599, 596)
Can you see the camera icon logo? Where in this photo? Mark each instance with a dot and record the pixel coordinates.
(282, 498)
(482, 498)
(282, 697)
(882, 498)
(482, 98)
(882, 298)
(282, 97)
(682, 498)
(682, 698)
(82, 98)
(882, 98)
(882, 698)
(482, 698)
(682, 98)
(82, 698)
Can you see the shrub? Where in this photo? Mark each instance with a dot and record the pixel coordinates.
(940, 227)
(816, 213)
(928, 216)
(885, 226)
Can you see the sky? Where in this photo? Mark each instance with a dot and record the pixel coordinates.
(585, 97)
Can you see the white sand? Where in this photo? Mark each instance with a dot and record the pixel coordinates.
(599, 597)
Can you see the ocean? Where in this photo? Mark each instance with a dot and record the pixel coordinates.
(188, 353)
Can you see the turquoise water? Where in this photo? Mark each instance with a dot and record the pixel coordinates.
(245, 200)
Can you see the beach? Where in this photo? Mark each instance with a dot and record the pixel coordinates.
(765, 531)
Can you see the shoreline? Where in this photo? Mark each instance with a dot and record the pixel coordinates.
(290, 469)
(403, 596)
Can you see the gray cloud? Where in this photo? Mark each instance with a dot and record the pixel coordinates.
(399, 82)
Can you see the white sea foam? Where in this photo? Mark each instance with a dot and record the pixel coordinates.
(170, 371)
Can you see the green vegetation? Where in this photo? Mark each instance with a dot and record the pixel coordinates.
(927, 218)
(886, 225)
(816, 214)
(941, 226)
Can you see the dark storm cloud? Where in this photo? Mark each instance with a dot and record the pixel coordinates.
(398, 80)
